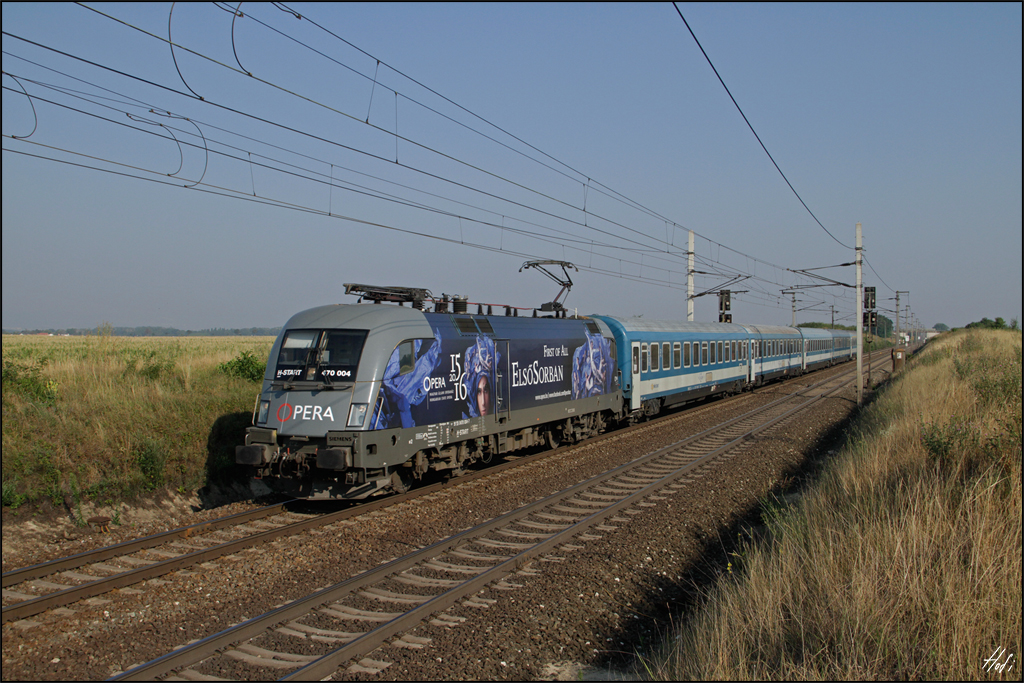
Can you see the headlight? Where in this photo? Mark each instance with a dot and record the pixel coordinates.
(264, 413)
(357, 414)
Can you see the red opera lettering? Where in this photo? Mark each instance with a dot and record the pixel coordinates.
(287, 415)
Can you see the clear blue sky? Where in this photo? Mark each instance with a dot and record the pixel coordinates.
(265, 196)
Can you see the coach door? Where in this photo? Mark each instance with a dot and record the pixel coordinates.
(634, 388)
(750, 360)
(757, 363)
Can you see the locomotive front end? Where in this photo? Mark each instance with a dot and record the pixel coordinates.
(314, 410)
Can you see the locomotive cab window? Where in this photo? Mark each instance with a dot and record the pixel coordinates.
(320, 355)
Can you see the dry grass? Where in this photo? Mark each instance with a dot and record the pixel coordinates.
(109, 417)
(905, 561)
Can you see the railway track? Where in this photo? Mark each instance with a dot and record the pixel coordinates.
(314, 636)
(65, 580)
(45, 586)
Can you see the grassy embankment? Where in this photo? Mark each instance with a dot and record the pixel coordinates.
(904, 561)
(107, 418)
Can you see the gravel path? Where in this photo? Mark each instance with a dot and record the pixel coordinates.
(597, 607)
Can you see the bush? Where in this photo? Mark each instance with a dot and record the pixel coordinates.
(245, 366)
(28, 382)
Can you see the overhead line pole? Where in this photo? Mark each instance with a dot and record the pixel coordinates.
(689, 281)
(860, 323)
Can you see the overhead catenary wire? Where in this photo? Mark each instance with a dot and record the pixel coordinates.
(292, 129)
(678, 253)
(668, 251)
(749, 125)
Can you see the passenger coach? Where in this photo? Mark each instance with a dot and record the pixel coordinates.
(664, 363)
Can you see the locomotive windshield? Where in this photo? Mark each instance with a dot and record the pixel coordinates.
(320, 355)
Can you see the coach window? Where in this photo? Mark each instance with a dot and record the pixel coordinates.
(712, 354)
(666, 356)
(677, 360)
(703, 353)
(636, 360)
(721, 358)
(654, 357)
(643, 358)
(686, 355)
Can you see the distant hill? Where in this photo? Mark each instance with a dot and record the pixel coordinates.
(156, 331)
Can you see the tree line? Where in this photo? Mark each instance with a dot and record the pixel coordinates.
(153, 331)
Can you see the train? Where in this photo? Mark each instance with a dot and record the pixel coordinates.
(365, 399)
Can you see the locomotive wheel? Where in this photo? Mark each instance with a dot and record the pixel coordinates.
(401, 484)
(554, 438)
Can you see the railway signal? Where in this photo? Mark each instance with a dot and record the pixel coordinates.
(724, 306)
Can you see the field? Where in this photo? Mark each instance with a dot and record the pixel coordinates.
(107, 418)
(903, 561)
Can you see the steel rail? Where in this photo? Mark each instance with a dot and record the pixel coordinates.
(216, 643)
(33, 606)
(329, 663)
(127, 547)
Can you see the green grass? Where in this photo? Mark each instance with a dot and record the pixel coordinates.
(108, 418)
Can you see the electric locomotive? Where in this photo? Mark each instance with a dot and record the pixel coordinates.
(365, 399)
